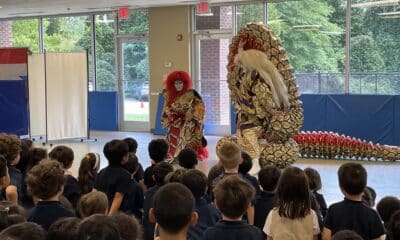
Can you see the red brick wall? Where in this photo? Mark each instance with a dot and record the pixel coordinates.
(5, 34)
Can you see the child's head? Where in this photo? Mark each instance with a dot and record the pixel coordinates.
(394, 225)
(132, 144)
(187, 158)
(88, 169)
(346, 235)
(214, 172)
(92, 203)
(175, 176)
(369, 196)
(292, 194)
(387, 206)
(132, 165)
(10, 148)
(196, 181)
(233, 196)
(99, 227)
(246, 164)
(46, 179)
(268, 178)
(4, 177)
(64, 155)
(26, 146)
(352, 178)
(158, 150)
(64, 229)
(173, 219)
(23, 231)
(314, 179)
(230, 156)
(129, 227)
(161, 170)
(116, 152)
(36, 155)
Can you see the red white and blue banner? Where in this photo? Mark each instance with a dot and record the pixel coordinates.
(13, 64)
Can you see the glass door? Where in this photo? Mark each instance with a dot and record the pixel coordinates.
(133, 84)
(211, 60)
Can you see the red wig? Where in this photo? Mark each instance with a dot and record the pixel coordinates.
(169, 84)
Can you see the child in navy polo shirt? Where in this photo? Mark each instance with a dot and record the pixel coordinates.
(315, 184)
(133, 145)
(114, 180)
(208, 215)
(244, 169)
(233, 197)
(351, 213)
(65, 156)
(187, 158)
(173, 222)
(134, 199)
(158, 150)
(268, 178)
(45, 182)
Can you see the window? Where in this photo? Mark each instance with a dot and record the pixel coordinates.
(20, 33)
(250, 13)
(137, 22)
(219, 18)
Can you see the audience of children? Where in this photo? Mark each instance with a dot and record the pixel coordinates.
(114, 205)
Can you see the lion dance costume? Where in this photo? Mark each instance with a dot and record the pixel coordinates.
(264, 92)
(183, 132)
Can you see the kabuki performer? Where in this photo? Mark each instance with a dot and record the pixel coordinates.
(264, 92)
(183, 114)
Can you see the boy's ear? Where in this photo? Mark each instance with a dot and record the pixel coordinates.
(152, 216)
(193, 219)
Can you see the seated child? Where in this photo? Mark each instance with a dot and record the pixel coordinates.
(244, 169)
(292, 218)
(133, 145)
(65, 156)
(98, 227)
(134, 199)
(92, 203)
(233, 197)
(394, 226)
(187, 158)
(88, 169)
(346, 235)
(23, 231)
(386, 207)
(173, 222)
(176, 176)
(363, 220)
(158, 150)
(268, 178)
(45, 181)
(114, 180)
(315, 184)
(64, 229)
(208, 215)
(129, 227)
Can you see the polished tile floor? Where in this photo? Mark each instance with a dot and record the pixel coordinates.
(383, 177)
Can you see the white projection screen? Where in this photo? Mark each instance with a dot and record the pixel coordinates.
(37, 94)
(66, 90)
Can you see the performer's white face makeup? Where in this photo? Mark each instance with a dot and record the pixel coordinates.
(178, 83)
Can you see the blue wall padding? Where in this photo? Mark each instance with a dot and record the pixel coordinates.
(312, 107)
(14, 114)
(158, 128)
(103, 111)
(396, 110)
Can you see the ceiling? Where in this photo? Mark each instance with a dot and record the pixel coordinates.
(28, 8)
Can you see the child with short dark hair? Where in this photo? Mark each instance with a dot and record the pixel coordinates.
(129, 227)
(23, 231)
(10, 148)
(386, 207)
(114, 180)
(208, 215)
(64, 229)
(176, 175)
(346, 235)
(363, 220)
(173, 222)
(134, 199)
(394, 226)
(187, 158)
(160, 171)
(158, 150)
(65, 156)
(268, 178)
(315, 184)
(45, 181)
(244, 169)
(133, 145)
(292, 215)
(92, 203)
(369, 196)
(99, 227)
(233, 197)
(88, 169)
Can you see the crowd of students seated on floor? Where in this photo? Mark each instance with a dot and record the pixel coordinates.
(40, 199)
